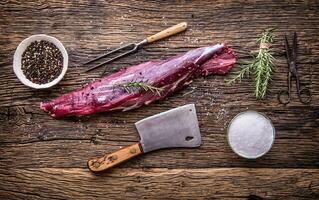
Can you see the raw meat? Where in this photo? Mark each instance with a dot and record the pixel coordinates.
(171, 75)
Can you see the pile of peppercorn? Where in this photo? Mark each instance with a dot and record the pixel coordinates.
(42, 62)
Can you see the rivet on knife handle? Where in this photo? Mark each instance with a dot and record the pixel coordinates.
(168, 32)
(115, 158)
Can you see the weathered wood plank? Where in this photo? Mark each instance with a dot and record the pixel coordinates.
(83, 35)
(33, 140)
(87, 33)
(223, 183)
(75, 153)
(70, 142)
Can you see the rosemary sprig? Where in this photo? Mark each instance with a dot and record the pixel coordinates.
(134, 86)
(261, 67)
(244, 72)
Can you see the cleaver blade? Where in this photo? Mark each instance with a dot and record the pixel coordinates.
(177, 127)
(174, 128)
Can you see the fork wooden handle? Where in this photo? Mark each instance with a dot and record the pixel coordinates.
(115, 158)
(167, 32)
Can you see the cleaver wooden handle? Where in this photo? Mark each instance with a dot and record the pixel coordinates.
(115, 158)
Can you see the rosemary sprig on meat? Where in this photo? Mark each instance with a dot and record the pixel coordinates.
(261, 67)
(135, 86)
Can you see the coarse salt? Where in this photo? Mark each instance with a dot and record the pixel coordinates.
(251, 134)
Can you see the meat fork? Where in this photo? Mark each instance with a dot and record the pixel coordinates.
(304, 94)
(133, 47)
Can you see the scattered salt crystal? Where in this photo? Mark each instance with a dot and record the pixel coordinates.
(221, 114)
(251, 134)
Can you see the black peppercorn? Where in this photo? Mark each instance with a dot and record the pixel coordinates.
(42, 62)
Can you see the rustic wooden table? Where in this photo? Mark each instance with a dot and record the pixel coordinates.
(45, 158)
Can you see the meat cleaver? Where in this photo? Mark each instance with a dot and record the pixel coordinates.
(177, 127)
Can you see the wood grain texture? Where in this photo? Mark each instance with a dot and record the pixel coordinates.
(161, 183)
(173, 30)
(109, 160)
(40, 150)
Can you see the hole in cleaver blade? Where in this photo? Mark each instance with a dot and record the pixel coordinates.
(177, 127)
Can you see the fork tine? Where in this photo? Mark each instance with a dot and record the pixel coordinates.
(115, 58)
(108, 53)
(110, 60)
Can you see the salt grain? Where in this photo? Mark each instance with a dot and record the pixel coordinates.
(251, 134)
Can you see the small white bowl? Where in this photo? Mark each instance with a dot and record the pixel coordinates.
(255, 137)
(18, 57)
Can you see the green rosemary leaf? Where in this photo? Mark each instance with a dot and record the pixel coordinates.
(261, 67)
(135, 86)
(245, 71)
